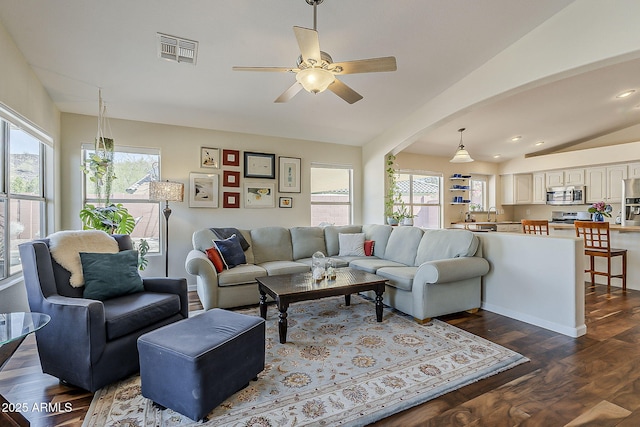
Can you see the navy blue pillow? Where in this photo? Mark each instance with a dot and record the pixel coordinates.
(110, 275)
(231, 251)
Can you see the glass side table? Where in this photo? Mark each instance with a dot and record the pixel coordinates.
(14, 327)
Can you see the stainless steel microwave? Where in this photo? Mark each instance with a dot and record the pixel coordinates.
(573, 195)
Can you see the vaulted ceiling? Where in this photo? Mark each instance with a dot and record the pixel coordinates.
(78, 46)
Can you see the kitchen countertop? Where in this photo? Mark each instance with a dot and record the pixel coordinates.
(613, 227)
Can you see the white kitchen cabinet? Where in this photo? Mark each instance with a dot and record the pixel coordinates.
(506, 184)
(574, 177)
(604, 184)
(517, 189)
(565, 178)
(539, 195)
(555, 179)
(634, 170)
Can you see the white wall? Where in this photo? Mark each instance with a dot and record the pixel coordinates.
(22, 92)
(180, 152)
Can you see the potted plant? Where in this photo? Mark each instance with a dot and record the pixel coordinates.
(395, 209)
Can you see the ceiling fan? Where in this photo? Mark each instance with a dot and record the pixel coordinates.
(315, 70)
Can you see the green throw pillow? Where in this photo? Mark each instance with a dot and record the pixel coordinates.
(110, 275)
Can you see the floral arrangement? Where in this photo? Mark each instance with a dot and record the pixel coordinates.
(601, 208)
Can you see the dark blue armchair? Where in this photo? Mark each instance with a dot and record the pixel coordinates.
(90, 343)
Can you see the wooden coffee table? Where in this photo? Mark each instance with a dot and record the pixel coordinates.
(288, 288)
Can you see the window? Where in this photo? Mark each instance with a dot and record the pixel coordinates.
(478, 193)
(134, 168)
(22, 202)
(421, 194)
(331, 195)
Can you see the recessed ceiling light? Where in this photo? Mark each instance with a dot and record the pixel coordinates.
(496, 156)
(539, 143)
(626, 93)
(516, 138)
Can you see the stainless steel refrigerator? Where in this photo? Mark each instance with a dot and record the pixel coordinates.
(631, 202)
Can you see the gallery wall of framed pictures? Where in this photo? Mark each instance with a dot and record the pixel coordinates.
(244, 179)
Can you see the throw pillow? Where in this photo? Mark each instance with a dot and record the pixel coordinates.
(110, 275)
(215, 258)
(231, 251)
(351, 244)
(368, 247)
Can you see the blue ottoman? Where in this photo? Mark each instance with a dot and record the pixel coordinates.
(193, 365)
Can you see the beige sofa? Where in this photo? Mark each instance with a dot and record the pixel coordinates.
(430, 272)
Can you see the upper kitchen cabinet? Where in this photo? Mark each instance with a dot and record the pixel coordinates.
(517, 189)
(565, 178)
(634, 170)
(604, 184)
(539, 195)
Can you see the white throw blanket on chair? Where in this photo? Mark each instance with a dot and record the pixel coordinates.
(65, 248)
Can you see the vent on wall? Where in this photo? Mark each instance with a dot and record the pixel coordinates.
(177, 49)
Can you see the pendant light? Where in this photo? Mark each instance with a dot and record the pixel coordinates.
(462, 155)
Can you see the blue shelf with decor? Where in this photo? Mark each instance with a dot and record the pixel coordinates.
(460, 184)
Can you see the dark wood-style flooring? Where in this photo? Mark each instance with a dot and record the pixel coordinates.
(593, 380)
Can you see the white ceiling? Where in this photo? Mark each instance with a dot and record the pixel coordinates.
(77, 46)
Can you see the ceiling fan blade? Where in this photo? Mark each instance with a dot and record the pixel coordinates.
(344, 92)
(373, 65)
(308, 43)
(289, 93)
(277, 69)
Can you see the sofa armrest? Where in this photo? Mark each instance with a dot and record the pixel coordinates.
(198, 264)
(170, 285)
(77, 324)
(450, 270)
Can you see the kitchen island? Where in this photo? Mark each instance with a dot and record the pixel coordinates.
(622, 237)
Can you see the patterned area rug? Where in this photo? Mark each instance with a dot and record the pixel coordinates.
(339, 367)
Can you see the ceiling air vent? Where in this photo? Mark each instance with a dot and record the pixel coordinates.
(177, 49)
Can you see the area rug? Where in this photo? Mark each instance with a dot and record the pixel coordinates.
(338, 367)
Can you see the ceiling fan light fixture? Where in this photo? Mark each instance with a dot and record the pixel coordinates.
(315, 80)
(462, 155)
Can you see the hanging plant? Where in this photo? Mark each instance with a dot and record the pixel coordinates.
(394, 207)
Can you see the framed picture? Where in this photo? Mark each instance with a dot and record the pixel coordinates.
(259, 165)
(209, 157)
(230, 200)
(231, 179)
(203, 190)
(259, 195)
(230, 158)
(286, 202)
(289, 175)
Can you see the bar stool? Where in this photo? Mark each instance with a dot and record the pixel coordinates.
(535, 226)
(597, 244)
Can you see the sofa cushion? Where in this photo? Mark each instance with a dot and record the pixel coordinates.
(230, 251)
(331, 239)
(201, 240)
(110, 275)
(129, 313)
(399, 277)
(271, 244)
(284, 267)
(380, 234)
(445, 244)
(369, 247)
(372, 264)
(351, 244)
(306, 241)
(403, 244)
(216, 259)
(242, 274)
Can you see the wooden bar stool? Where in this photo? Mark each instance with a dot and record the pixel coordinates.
(597, 244)
(535, 226)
